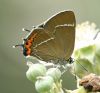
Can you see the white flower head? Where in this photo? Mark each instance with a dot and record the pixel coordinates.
(85, 33)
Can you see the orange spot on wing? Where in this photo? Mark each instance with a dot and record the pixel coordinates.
(29, 43)
(29, 51)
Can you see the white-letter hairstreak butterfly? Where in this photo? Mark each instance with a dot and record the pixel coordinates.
(53, 40)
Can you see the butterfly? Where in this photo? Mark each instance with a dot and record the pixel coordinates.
(53, 40)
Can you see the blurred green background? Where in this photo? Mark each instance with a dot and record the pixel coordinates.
(16, 14)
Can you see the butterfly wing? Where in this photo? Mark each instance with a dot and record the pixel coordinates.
(61, 47)
(38, 35)
(65, 38)
(64, 17)
(46, 50)
(34, 38)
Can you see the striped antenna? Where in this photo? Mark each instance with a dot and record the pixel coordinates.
(24, 39)
(24, 29)
(19, 45)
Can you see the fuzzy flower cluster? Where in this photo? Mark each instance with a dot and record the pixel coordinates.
(85, 34)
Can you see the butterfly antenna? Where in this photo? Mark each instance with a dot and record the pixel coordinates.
(96, 35)
(24, 39)
(27, 30)
(19, 45)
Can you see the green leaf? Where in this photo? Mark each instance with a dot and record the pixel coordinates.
(83, 67)
(86, 52)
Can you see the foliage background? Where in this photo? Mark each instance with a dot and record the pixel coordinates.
(16, 14)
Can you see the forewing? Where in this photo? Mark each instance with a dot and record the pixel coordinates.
(64, 17)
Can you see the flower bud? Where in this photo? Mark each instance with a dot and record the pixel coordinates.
(55, 73)
(44, 84)
(34, 71)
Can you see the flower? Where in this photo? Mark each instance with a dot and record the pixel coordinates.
(85, 33)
